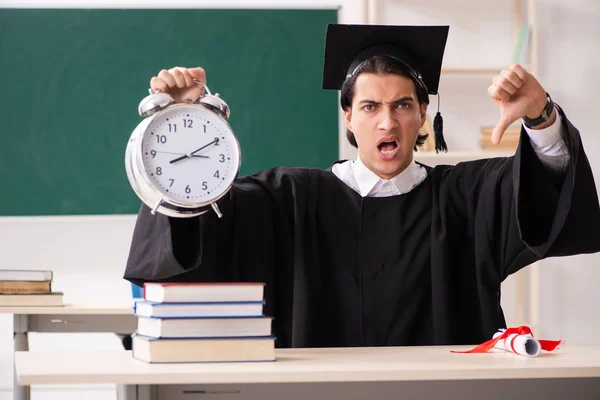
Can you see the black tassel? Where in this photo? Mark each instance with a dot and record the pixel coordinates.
(438, 130)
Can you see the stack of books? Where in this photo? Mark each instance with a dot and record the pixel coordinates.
(22, 288)
(202, 322)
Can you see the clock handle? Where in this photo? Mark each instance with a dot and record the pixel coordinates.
(214, 102)
(204, 86)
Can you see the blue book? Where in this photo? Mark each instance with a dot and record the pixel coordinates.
(197, 310)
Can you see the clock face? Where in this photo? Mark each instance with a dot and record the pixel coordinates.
(190, 154)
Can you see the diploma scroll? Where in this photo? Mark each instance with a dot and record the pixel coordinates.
(525, 344)
(518, 340)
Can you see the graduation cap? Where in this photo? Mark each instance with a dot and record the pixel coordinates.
(420, 48)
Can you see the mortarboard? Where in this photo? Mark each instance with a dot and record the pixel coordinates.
(420, 48)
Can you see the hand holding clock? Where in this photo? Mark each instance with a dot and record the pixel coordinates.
(186, 189)
(179, 83)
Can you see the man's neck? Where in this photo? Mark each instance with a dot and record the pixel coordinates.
(387, 177)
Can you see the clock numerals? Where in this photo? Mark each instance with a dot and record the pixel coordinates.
(162, 139)
(178, 135)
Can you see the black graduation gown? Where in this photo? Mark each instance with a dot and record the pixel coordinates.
(420, 268)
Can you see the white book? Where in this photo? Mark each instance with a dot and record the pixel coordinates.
(25, 275)
(229, 309)
(204, 327)
(197, 292)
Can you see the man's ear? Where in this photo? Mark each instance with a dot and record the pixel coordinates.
(423, 110)
(348, 119)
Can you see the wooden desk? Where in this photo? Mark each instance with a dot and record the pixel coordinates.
(109, 317)
(415, 372)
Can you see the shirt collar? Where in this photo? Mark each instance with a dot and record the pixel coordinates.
(405, 181)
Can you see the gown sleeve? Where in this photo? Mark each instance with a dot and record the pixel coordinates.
(519, 211)
(246, 244)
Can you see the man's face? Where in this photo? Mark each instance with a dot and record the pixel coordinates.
(385, 119)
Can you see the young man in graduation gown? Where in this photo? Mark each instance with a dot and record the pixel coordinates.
(383, 250)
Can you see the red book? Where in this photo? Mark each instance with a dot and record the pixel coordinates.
(197, 292)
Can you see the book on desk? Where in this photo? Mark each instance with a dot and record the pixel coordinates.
(202, 322)
(202, 309)
(28, 288)
(189, 292)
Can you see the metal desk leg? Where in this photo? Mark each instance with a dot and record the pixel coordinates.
(21, 343)
(127, 392)
(147, 392)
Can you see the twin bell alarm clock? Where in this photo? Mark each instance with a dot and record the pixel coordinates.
(182, 157)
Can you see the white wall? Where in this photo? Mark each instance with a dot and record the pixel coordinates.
(569, 61)
(569, 34)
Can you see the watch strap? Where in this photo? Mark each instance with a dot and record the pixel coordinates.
(545, 116)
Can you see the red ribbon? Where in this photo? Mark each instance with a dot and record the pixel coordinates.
(547, 345)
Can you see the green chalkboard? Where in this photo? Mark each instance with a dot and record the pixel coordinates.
(73, 78)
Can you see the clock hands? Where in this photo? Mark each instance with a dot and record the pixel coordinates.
(183, 157)
(179, 154)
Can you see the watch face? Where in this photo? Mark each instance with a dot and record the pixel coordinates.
(190, 154)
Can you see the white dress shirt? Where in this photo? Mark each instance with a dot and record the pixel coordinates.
(547, 143)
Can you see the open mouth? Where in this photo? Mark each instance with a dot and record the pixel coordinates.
(388, 147)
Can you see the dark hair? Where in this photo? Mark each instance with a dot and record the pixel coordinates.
(382, 65)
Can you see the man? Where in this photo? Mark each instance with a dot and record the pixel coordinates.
(383, 250)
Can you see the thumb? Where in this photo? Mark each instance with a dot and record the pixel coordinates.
(500, 128)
